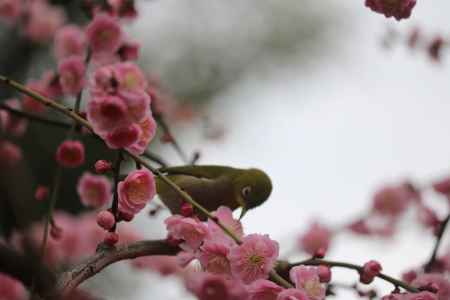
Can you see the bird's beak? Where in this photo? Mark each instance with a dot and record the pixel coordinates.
(243, 212)
(243, 206)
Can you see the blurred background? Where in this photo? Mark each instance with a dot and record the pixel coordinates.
(312, 93)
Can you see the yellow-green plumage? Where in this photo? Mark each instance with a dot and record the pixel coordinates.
(214, 186)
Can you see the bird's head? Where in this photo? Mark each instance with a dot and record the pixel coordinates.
(253, 187)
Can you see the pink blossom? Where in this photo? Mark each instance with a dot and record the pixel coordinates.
(308, 280)
(41, 193)
(107, 113)
(70, 154)
(50, 83)
(138, 105)
(225, 216)
(43, 21)
(10, 154)
(69, 41)
(292, 294)
(411, 296)
(11, 289)
(324, 273)
(254, 258)
(392, 200)
(399, 9)
(123, 8)
(104, 34)
(263, 289)
(94, 190)
(104, 81)
(102, 166)
(130, 77)
(10, 10)
(12, 124)
(442, 186)
(208, 286)
(136, 191)
(316, 237)
(71, 74)
(191, 231)
(442, 283)
(122, 137)
(148, 131)
(213, 258)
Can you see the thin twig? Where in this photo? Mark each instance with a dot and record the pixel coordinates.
(160, 119)
(429, 265)
(330, 263)
(115, 203)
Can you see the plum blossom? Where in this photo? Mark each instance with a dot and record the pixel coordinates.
(107, 113)
(442, 283)
(307, 279)
(71, 74)
(104, 34)
(399, 9)
(94, 190)
(192, 232)
(102, 166)
(70, 154)
(392, 200)
(316, 237)
(10, 123)
(254, 258)
(69, 41)
(136, 191)
(43, 21)
(41, 193)
(213, 258)
(369, 271)
(10, 154)
(122, 137)
(10, 10)
(225, 216)
(11, 289)
(292, 294)
(129, 51)
(263, 289)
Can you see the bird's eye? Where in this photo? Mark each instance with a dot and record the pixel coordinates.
(246, 191)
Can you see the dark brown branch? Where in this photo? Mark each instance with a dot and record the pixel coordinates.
(329, 263)
(72, 278)
(429, 265)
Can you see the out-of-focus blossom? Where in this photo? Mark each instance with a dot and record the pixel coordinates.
(70, 154)
(94, 190)
(69, 41)
(263, 289)
(129, 51)
(392, 200)
(292, 294)
(102, 166)
(10, 10)
(10, 154)
(11, 289)
(122, 137)
(442, 283)
(71, 74)
(31, 105)
(12, 124)
(316, 237)
(41, 193)
(43, 21)
(399, 9)
(104, 34)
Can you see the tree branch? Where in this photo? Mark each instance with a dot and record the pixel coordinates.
(72, 278)
(429, 265)
(329, 263)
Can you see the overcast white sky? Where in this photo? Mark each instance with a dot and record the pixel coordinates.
(329, 131)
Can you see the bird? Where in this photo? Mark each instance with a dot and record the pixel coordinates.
(213, 186)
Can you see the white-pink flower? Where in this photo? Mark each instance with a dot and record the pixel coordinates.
(225, 216)
(104, 34)
(71, 74)
(148, 131)
(254, 258)
(192, 232)
(136, 191)
(263, 289)
(308, 280)
(213, 258)
(69, 41)
(94, 190)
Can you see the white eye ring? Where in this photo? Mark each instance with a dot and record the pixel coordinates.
(246, 191)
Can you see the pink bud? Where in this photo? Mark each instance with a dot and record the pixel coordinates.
(369, 271)
(105, 220)
(320, 253)
(324, 273)
(70, 154)
(111, 238)
(186, 209)
(102, 166)
(41, 193)
(125, 216)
